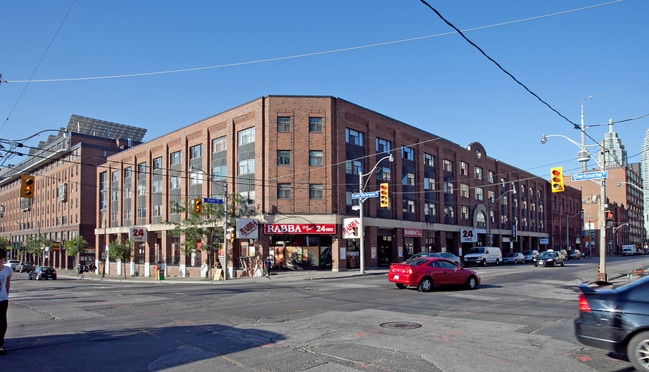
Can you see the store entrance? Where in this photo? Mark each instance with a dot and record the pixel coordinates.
(385, 252)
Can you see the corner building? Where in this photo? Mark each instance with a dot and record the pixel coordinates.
(298, 161)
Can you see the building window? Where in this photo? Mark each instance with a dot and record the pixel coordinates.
(479, 194)
(384, 174)
(315, 158)
(478, 173)
(196, 152)
(283, 157)
(283, 124)
(141, 189)
(219, 172)
(383, 146)
(283, 191)
(174, 182)
(449, 212)
(174, 158)
(407, 153)
(429, 184)
(141, 169)
(246, 166)
(491, 177)
(127, 214)
(219, 144)
(141, 213)
(157, 163)
(408, 179)
(315, 191)
(448, 166)
(195, 177)
(315, 124)
(465, 212)
(157, 210)
(448, 187)
(408, 206)
(429, 160)
(353, 167)
(429, 209)
(115, 176)
(464, 190)
(246, 136)
(156, 186)
(464, 168)
(128, 172)
(353, 137)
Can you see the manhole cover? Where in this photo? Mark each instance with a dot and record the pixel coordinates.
(400, 325)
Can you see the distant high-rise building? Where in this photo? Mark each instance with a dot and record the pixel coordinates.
(644, 172)
(615, 153)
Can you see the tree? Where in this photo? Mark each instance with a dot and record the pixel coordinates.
(205, 229)
(75, 246)
(35, 245)
(122, 251)
(4, 243)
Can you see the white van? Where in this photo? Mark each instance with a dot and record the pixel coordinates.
(483, 256)
(628, 250)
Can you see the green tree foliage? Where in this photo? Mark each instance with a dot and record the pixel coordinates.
(4, 243)
(35, 245)
(121, 251)
(206, 227)
(75, 246)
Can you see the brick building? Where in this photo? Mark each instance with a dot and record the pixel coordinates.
(298, 162)
(64, 202)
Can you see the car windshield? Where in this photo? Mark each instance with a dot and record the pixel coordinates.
(547, 254)
(476, 250)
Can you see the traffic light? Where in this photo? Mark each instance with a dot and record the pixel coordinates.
(384, 198)
(27, 186)
(609, 219)
(198, 206)
(556, 179)
(231, 237)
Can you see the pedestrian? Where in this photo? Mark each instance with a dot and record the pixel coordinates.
(268, 264)
(80, 271)
(5, 282)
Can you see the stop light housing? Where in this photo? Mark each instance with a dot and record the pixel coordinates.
(27, 184)
(384, 197)
(231, 237)
(556, 179)
(198, 206)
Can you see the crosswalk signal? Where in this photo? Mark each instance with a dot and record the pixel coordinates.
(27, 186)
(556, 179)
(231, 237)
(384, 198)
(198, 206)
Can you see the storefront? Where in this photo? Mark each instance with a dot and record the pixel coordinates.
(301, 246)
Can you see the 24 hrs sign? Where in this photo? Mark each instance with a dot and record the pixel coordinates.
(468, 235)
(137, 234)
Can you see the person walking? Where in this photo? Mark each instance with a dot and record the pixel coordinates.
(268, 263)
(5, 283)
(80, 270)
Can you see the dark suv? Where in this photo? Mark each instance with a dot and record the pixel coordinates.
(616, 319)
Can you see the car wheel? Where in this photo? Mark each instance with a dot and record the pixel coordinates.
(53, 278)
(38, 277)
(638, 351)
(426, 285)
(563, 263)
(497, 262)
(400, 286)
(471, 282)
(484, 262)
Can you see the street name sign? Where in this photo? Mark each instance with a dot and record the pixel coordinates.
(589, 176)
(364, 195)
(212, 201)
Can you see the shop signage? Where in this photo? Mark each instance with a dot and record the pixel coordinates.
(247, 228)
(416, 233)
(350, 228)
(137, 234)
(468, 235)
(300, 228)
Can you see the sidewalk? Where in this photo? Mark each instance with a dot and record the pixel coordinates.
(282, 275)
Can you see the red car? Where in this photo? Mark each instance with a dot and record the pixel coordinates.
(428, 272)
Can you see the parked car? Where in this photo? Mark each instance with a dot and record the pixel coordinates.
(43, 272)
(25, 267)
(530, 255)
(428, 272)
(12, 263)
(574, 254)
(514, 258)
(550, 258)
(616, 319)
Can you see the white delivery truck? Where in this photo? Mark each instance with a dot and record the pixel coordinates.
(628, 250)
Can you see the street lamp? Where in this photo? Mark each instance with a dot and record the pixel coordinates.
(490, 203)
(361, 189)
(583, 156)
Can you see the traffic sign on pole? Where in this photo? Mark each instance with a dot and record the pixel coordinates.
(212, 201)
(589, 176)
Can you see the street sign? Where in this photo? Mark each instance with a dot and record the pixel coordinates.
(365, 195)
(212, 201)
(589, 176)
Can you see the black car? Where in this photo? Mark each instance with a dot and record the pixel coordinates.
(616, 319)
(549, 258)
(43, 272)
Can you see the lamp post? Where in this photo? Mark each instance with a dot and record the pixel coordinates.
(567, 228)
(361, 189)
(617, 235)
(583, 156)
(490, 237)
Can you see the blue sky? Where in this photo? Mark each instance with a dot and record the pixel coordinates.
(164, 64)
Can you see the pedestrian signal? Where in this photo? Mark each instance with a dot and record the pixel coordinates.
(556, 179)
(27, 186)
(384, 198)
(231, 237)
